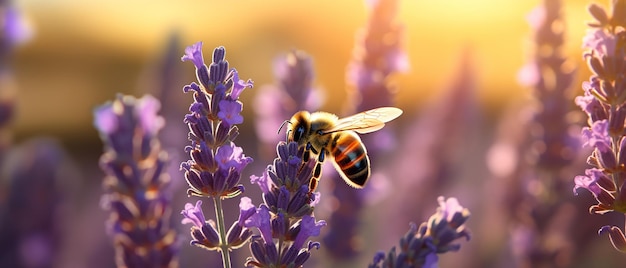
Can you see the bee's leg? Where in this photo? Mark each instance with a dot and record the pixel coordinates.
(317, 171)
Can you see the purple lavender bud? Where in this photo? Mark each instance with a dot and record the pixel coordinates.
(136, 186)
(616, 236)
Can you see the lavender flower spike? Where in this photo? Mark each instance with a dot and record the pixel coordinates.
(216, 163)
(285, 220)
(420, 246)
(136, 186)
(604, 101)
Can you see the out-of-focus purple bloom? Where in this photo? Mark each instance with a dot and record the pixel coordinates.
(377, 55)
(136, 185)
(13, 30)
(605, 180)
(147, 111)
(597, 135)
(285, 219)
(536, 185)
(34, 192)
(420, 246)
(292, 92)
(600, 42)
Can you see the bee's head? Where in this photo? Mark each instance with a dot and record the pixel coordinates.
(298, 127)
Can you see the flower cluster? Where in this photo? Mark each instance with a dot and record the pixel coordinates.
(285, 220)
(136, 184)
(420, 246)
(604, 101)
(216, 163)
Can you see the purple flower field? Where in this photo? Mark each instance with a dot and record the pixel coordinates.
(471, 133)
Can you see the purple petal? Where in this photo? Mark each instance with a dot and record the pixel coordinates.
(194, 54)
(193, 214)
(230, 112)
(105, 119)
(146, 109)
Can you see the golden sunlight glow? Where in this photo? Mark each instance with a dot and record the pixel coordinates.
(436, 35)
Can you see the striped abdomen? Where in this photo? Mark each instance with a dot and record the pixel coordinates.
(350, 157)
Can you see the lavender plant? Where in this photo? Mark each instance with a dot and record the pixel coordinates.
(285, 219)
(135, 186)
(604, 101)
(13, 31)
(293, 92)
(377, 55)
(535, 197)
(216, 163)
(420, 246)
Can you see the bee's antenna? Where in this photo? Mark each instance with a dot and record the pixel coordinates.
(282, 125)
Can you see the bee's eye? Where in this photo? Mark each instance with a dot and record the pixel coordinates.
(298, 132)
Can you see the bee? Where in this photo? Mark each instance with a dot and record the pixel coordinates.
(325, 134)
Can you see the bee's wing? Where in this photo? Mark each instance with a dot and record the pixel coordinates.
(366, 122)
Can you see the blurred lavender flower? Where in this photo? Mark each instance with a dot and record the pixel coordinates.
(453, 122)
(420, 246)
(31, 230)
(604, 101)
(216, 162)
(136, 187)
(377, 55)
(293, 92)
(285, 219)
(535, 197)
(13, 31)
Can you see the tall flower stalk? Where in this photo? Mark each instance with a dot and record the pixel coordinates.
(136, 187)
(216, 163)
(535, 197)
(604, 101)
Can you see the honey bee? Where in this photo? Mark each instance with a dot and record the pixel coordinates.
(324, 133)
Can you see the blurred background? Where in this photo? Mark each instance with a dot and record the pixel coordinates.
(80, 54)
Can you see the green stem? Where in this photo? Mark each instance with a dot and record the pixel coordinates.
(219, 213)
